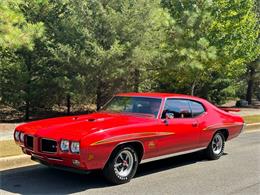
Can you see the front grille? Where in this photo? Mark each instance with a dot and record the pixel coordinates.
(29, 141)
(49, 146)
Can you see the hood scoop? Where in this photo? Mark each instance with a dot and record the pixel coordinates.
(95, 119)
(91, 120)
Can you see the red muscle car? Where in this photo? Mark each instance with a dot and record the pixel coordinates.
(131, 128)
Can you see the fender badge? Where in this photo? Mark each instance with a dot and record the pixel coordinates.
(151, 144)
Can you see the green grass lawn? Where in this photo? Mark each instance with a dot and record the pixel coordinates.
(252, 119)
(9, 148)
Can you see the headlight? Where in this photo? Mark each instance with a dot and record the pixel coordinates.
(64, 145)
(16, 135)
(74, 147)
(22, 137)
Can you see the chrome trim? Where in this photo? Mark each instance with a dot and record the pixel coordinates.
(44, 158)
(171, 155)
(181, 98)
(54, 159)
(37, 156)
(161, 108)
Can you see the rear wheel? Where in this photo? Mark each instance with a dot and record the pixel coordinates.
(215, 148)
(122, 165)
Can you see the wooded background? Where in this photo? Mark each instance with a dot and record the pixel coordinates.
(74, 54)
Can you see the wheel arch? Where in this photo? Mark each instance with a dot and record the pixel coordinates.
(224, 131)
(137, 145)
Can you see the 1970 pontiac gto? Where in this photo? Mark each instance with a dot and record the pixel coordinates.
(131, 128)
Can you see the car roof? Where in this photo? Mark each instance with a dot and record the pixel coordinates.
(157, 95)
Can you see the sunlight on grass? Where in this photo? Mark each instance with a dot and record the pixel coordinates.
(9, 148)
(252, 119)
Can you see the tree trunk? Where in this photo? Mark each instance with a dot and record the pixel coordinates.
(136, 80)
(193, 87)
(27, 110)
(28, 64)
(68, 104)
(250, 84)
(98, 94)
(251, 79)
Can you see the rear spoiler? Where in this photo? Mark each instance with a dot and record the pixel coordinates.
(227, 109)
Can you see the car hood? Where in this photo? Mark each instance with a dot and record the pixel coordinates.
(76, 127)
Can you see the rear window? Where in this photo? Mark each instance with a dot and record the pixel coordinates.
(197, 108)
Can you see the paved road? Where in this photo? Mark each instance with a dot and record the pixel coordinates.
(237, 172)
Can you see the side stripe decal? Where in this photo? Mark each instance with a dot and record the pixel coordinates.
(132, 136)
(222, 125)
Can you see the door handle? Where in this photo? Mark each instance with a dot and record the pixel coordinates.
(195, 124)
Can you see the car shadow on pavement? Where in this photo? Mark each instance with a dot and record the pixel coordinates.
(39, 179)
(170, 163)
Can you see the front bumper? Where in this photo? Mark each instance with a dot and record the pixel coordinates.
(58, 166)
(55, 160)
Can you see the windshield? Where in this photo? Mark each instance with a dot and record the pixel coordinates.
(138, 105)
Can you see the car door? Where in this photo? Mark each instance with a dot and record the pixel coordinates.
(200, 114)
(177, 119)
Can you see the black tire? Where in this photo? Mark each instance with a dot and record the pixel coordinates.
(111, 169)
(215, 151)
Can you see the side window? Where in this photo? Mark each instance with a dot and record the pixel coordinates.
(197, 108)
(176, 108)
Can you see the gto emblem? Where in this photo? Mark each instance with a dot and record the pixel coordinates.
(151, 144)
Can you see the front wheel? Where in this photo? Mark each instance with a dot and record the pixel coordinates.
(215, 148)
(121, 166)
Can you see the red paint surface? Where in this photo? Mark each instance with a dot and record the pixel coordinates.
(100, 133)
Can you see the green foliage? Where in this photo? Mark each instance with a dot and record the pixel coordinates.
(85, 51)
(212, 41)
(108, 41)
(15, 31)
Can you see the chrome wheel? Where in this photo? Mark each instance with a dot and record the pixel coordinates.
(217, 144)
(124, 163)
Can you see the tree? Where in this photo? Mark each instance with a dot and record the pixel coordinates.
(16, 33)
(253, 66)
(253, 70)
(235, 32)
(66, 52)
(111, 42)
(217, 39)
(191, 49)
